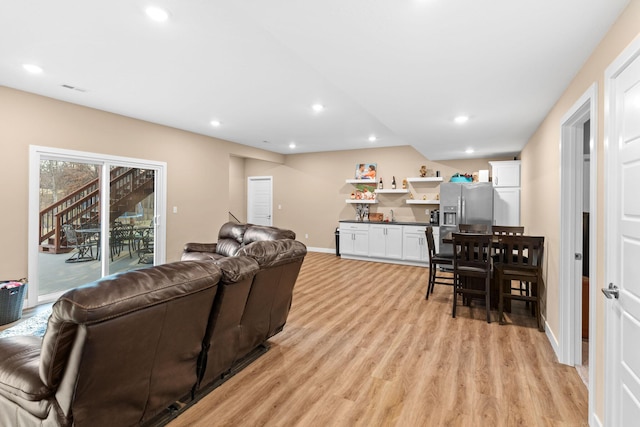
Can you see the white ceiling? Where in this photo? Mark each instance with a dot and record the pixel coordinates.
(397, 69)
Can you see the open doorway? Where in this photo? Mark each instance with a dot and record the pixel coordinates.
(577, 224)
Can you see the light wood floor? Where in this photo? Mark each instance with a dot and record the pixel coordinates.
(362, 347)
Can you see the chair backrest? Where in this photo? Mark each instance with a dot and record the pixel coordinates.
(471, 251)
(70, 234)
(507, 230)
(474, 228)
(431, 243)
(521, 251)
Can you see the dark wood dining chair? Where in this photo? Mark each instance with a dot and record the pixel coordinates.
(474, 228)
(472, 269)
(509, 230)
(521, 260)
(436, 260)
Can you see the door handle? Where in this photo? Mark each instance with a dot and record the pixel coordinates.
(612, 292)
(578, 257)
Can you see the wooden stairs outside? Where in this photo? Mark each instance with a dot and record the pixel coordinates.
(128, 187)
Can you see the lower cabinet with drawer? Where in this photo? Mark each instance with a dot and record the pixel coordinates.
(354, 239)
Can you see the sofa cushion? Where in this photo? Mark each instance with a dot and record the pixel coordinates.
(270, 253)
(230, 238)
(256, 233)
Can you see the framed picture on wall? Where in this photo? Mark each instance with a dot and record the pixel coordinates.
(366, 170)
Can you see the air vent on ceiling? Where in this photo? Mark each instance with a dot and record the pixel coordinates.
(74, 88)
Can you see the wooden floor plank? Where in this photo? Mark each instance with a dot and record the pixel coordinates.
(362, 347)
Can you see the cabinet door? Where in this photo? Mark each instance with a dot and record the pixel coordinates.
(413, 248)
(394, 242)
(346, 242)
(377, 241)
(361, 243)
(506, 206)
(506, 174)
(436, 238)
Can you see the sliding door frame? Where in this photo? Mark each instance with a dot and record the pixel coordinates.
(39, 153)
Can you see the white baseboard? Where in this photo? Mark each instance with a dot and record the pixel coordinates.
(552, 339)
(595, 421)
(322, 250)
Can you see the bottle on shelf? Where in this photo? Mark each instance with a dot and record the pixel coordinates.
(393, 183)
(380, 184)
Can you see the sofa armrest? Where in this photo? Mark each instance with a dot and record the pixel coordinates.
(200, 247)
(20, 370)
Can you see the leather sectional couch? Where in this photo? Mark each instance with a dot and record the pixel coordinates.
(132, 348)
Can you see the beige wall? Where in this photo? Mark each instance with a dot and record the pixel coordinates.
(237, 189)
(197, 167)
(541, 178)
(311, 188)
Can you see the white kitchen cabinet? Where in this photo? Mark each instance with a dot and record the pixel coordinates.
(505, 173)
(415, 246)
(354, 239)
(385, 241)
(506, 198)
(506, 206)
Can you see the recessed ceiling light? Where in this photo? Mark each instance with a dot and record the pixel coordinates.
(157, 14)
(317, 107)
(461, 119)
(292, 145)
(469, 150)
(372, 138)
(215, 123)
(33, 69)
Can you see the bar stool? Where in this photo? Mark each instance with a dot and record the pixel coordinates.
(521, 260)
(472, 268)
(436, 259)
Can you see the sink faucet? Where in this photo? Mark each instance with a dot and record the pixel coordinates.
(392, 219)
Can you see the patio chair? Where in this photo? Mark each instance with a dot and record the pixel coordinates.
(80, 243)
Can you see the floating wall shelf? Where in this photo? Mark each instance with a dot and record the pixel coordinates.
(360, 201)
(361, 181)
(423, 202)
(396, 191)
(425, 179)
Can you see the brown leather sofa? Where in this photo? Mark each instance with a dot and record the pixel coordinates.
(123, 350)
(268, 300)
(231, 237)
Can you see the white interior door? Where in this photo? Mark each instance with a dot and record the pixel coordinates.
(622, 354)
(260, 200)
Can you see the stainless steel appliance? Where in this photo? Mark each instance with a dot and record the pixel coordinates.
(464, 203)
(435, 217)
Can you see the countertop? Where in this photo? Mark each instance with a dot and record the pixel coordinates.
(389, 222)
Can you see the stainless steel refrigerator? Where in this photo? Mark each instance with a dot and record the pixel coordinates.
(464, 203)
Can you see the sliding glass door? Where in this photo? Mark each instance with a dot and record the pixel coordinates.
(131, 218)
(69, 205)
(90, 216)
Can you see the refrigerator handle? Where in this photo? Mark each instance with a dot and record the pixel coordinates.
(459, 215)
(464, 211)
